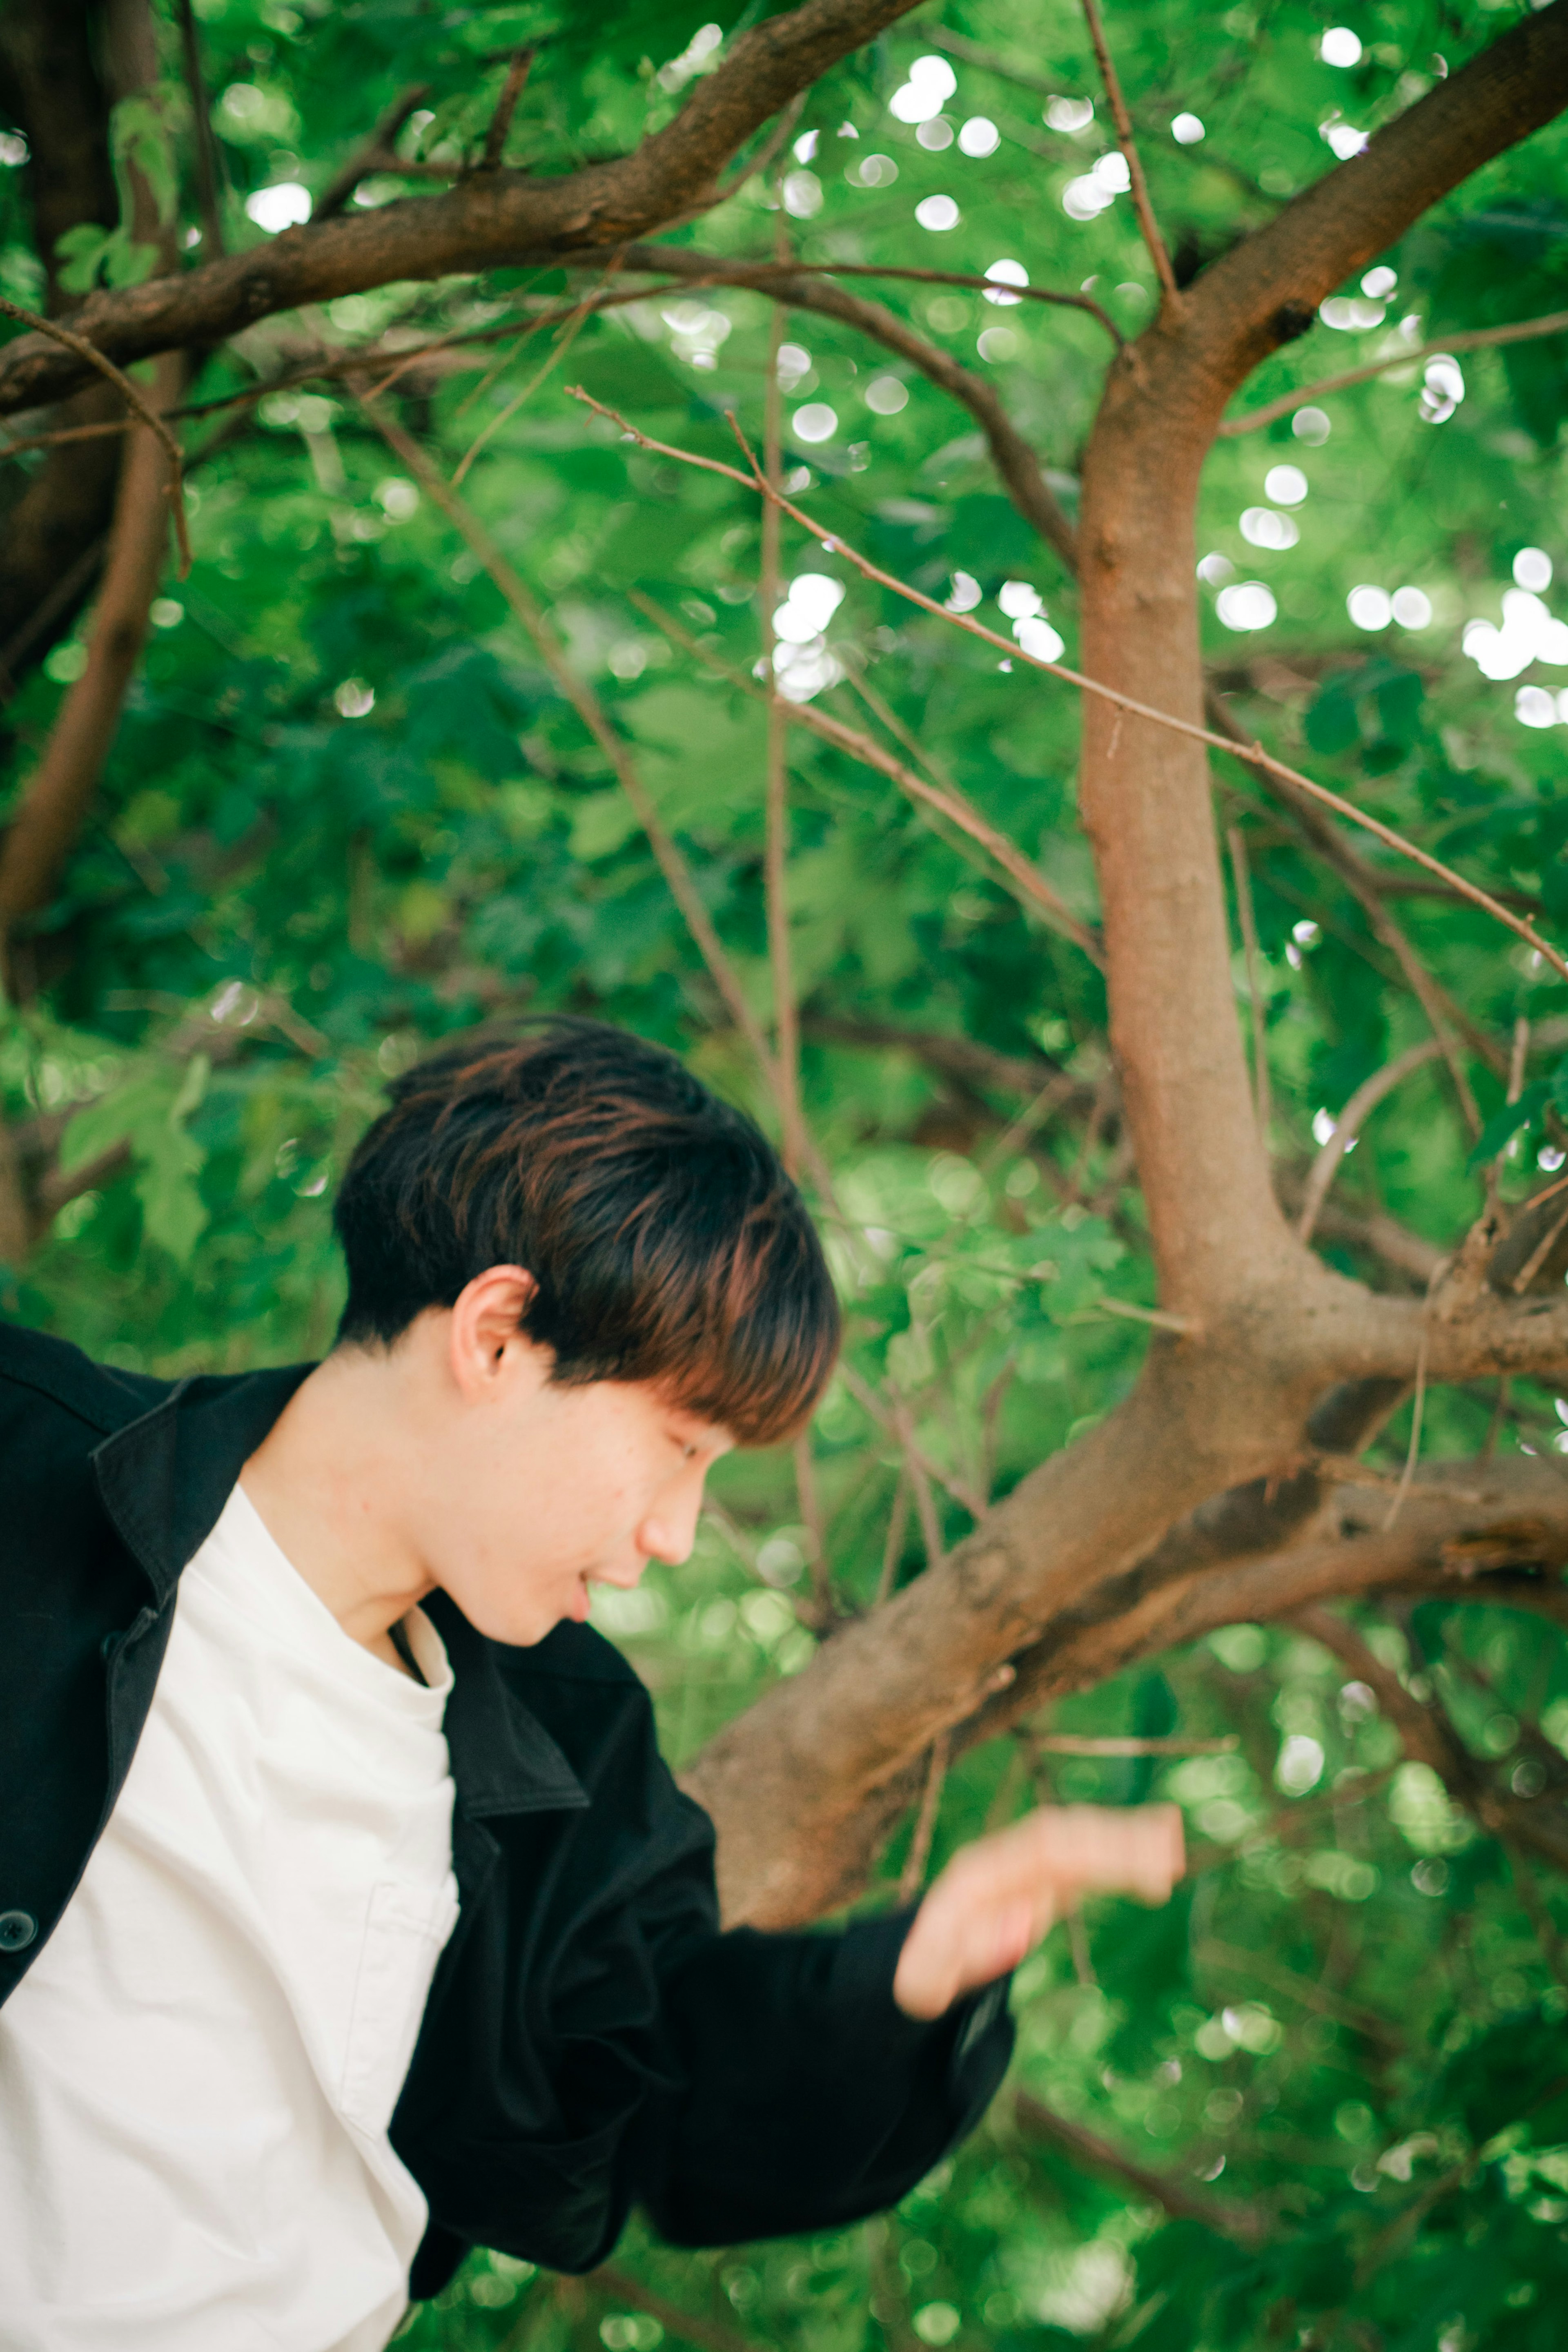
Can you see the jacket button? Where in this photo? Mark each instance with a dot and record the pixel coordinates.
(17, 1930)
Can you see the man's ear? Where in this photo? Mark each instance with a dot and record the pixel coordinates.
(485, 1330)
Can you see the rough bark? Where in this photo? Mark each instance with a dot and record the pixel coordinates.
(57, 794)
(59, 791)
(51, 89)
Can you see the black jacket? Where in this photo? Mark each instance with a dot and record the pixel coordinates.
(591, 2039)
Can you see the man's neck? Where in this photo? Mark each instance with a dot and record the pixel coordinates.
(326, 1481)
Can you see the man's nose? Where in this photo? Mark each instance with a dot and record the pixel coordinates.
(670, 1529)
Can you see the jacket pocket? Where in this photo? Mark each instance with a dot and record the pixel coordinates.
(406, 1928)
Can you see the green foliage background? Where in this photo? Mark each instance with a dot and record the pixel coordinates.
(348, 814)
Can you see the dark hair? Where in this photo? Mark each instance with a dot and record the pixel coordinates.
(667, 1242)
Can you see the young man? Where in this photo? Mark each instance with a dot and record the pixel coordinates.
(348, 1915)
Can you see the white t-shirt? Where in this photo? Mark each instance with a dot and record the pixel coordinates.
(198, 2072)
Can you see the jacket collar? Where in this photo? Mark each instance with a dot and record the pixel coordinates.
(503, 1758)
(164, 1480)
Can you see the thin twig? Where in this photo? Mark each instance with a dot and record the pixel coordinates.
(1018, 1131)
(1071, 1743)
(328, 366)
(896, 1418)
(1129, 147)
(506, 107)
(1540, 1254)
(586, 703)
(1029, 883)
(1247, 920)
(1247, 2223)
(893, 1543)
(912, 1879)
(375, 153)
(133, 399)
(707, 2334)
(1253, 755)
(776, 849)
(963, 813)
(1159, 1316)
(569, 334)
(1414, 1448)
(1472, 338)
(208, 195)
(772, 147)
(1348, 1126)
(1370, 888)
(672, 864)
(807, 1494)
(1517, 1058)
(70, 584)
(1045, 294)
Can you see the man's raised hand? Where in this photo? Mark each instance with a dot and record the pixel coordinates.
(997, 1897)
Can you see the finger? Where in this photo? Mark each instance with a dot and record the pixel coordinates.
(951, 1951)
(1136, 1850)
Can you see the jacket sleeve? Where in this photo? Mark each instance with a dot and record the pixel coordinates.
(806, 2098)
(602, 2044)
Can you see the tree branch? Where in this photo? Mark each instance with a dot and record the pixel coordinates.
(1267, 289)
(676, 873)
(1029, 883)
(776, 850)
(489, 218)
(51, 87)
(1255, 756)
(687, 2327)
(746, 273)
(1430, 1738)
(1522, 331)
(1248, 2225)
(1012, 456)
(57, 796)
(1255, 1008)
(1349, 1124)
(376, 154)
(1470, 1531)
(506, 107)
(1129, 147)
(207, 184)
(150, 412)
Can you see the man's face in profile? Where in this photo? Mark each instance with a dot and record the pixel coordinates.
(541, 1490)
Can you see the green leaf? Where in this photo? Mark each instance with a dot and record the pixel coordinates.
(604, 822)
(1331, 721)
(1505, 1124)
(149, 1113)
